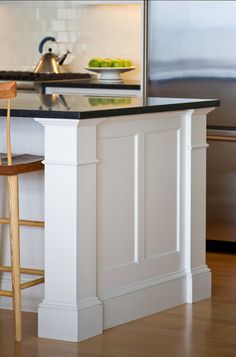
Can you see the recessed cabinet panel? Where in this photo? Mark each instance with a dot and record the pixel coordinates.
(161, 185)
(116, 211)
(139, 201)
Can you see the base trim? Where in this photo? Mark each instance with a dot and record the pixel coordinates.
(69, 322)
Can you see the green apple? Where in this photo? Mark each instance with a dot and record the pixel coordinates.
(105, 101)
(127, 63)
(106, 62)
(117, 62)
(93, 101)
(95, 62)
(117, 101)
(127, 100)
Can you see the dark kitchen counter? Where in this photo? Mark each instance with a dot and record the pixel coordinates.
(35, 105)
(39, 81)
(92, 83)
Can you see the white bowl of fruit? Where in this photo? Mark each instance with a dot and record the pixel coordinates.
(110, 69)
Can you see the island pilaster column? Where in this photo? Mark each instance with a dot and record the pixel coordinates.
(70, 310)
(197, 272)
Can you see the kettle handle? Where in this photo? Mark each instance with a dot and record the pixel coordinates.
(45, 39)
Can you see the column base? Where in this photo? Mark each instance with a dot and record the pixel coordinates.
(198, 284)
(70, 322)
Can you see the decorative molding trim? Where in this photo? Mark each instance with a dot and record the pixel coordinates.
(117, 266)
(198, 284)
(202, 111)
(68, 321)
(137, 304)
(57, 122)
(69, 122)
(199, 270)
(170, 114)
(87, 303)
(138, 140)
(157, 115)
(153, 282)
(200, 146)
(55, 305)
(82, 305)
(132, 288)
(162, 254)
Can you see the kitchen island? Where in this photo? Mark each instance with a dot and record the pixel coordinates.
(124, 205)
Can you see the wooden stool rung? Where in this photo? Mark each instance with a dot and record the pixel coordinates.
(24, 222)
(25, 285)
(5, 268)
(30, 283)
(5, 293)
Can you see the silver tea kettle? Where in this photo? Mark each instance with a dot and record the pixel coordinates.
(49, 62)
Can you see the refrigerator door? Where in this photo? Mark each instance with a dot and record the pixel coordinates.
(221, 185)
(192, 53)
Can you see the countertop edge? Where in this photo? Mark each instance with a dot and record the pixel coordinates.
(89, 114)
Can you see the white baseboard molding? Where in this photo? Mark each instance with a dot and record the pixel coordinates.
(148, 300)
(155, 295)
(92, 316)
(199, 284)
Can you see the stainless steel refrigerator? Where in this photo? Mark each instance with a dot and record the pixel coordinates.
(191, 51)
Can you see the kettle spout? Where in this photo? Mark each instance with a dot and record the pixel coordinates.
(61, 59)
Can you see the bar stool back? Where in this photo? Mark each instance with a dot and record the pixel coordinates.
(12, 166)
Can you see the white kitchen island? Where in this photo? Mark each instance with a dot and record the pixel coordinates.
(124, 210)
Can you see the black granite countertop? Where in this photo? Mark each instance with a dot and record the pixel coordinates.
(35, 105)
(73, 83)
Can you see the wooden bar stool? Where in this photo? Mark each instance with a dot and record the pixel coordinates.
(12, 166)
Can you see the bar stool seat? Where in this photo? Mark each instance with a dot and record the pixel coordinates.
(21, 164)
(12, 166)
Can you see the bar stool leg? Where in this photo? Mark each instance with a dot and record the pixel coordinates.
(13, 197)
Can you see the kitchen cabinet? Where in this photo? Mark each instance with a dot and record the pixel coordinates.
(134, 232)
(124, 208)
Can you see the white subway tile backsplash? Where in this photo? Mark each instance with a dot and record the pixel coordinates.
(86, 30)
(57, 25)
(66, 14)
(72, 25)
(42, 4)
(46, 14)
(62, 37)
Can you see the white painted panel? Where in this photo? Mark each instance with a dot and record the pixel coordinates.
(161, 226)
(116, 211)
(132, 154)
(157, 263)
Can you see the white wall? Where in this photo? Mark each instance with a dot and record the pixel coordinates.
(86, 30)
